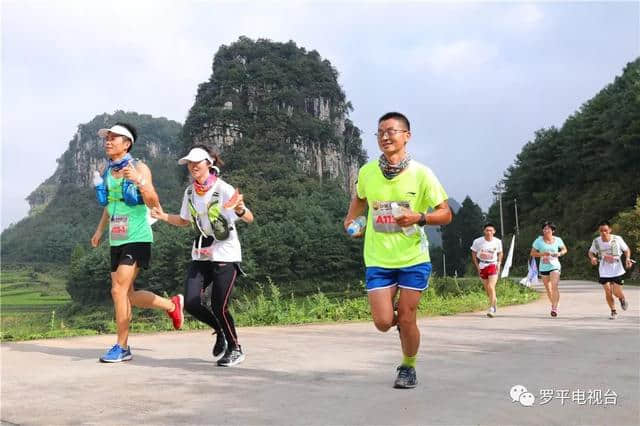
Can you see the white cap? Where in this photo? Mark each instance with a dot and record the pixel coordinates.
(118, 130)
(196, 155)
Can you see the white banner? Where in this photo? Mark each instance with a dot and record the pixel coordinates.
(509, 261)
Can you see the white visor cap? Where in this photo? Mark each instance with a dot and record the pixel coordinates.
(118, 130)
(196, 155)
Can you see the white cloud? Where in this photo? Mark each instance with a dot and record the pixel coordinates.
(63, 62)
(523, 17)
(458, 56)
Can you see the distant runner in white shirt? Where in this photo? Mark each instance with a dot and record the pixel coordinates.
(486, 254)
(607, 249)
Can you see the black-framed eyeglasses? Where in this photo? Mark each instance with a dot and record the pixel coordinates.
(388, 132)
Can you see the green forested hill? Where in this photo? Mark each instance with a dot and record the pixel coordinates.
(584, 172)
(64, 212)
(279, 118)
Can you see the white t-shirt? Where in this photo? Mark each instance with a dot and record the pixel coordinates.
(609, 254)
(486, 251)
(220, 251)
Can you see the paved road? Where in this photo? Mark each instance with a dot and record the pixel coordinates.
(341, 374)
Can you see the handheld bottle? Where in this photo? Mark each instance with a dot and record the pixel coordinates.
(396, 211)
(357, 226)
(101, 188)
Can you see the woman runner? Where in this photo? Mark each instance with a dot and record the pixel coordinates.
(212, 207)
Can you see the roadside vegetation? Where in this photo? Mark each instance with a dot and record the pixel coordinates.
(35, 305)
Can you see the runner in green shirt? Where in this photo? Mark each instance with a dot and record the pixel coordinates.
(126, 192)
(398, 192)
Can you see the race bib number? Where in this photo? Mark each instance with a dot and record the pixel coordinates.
(204, 253)
(202, 248)
(546, 259)
(383, 220)
(610, 259)
(485, 255)
(119, 227)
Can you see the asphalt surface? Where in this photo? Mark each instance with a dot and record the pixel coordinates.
(579, 369)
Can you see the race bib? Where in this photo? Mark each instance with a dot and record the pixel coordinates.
(546, 259)
(204, 253)
(485, 255)
(383, 220)
(610, 259)
(119, 227)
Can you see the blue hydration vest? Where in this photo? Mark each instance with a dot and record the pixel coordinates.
(130, 193)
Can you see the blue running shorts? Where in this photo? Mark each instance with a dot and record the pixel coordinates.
(414, 277)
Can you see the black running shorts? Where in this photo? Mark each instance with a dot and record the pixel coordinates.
(614, 280)
(130, 254)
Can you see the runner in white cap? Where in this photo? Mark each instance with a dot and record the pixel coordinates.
(125, 193)
(212, 207)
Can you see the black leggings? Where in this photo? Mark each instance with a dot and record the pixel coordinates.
(221, 277)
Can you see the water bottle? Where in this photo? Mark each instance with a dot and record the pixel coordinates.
(101, 189)
(97, 179)
(396, 211)
(357, 226)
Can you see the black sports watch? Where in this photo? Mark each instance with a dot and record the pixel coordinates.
(423, 220)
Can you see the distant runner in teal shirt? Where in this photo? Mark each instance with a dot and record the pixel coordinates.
(398, 192)
(549, 249)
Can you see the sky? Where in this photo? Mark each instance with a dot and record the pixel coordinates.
(475, 79)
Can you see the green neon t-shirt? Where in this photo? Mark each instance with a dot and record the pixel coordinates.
(385, 244)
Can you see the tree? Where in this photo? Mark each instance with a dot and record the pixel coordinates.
(580, 173)
(458, 236)
(627, 225)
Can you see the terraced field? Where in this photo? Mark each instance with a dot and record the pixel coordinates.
(28, 301)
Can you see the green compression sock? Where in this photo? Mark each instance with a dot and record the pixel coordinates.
(409, 361)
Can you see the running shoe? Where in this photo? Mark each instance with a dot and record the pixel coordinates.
(613, 315)
(491, 312)
(624, 304)
(406, 378)
(231, 357)
(116, 354)
(554, 312)
(220, 347)
(177, 315)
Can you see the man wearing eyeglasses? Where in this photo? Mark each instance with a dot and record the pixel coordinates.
(398, 192)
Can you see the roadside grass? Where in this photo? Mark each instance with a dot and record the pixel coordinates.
(29, 299)
(26, 313)
(634, 282)
(445, 296)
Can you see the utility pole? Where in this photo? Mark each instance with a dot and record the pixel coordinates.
(444, 265)
(515, 206)
(498, 191)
